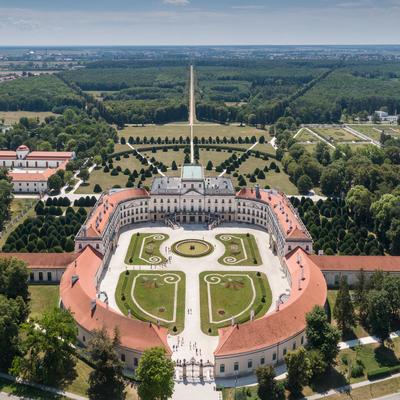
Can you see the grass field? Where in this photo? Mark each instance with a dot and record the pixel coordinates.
(162, 131)
(144, 249)
(336, 134)
(374, 131)
(11, 117)
(43, 298)
(306, 136)
(159, 295)
(233, 130)
(232, 294)
(240, 249)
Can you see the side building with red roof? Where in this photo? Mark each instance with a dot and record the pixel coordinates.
(30, 171)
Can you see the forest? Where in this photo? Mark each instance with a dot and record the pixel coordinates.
(37, 93)
(136, 95)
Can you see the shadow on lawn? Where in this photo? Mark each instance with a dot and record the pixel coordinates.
(24, 391)
(385, 356)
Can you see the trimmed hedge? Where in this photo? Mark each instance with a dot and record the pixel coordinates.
(383, 372)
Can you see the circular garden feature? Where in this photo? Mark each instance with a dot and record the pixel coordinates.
(192, 248)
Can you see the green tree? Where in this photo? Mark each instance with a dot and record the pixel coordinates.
(14, 278)
(393, 234)
(332, 180)
(155, 374)
(379, 314)
(97, 188)
(304, 184)
(299, 370)
(84, 174)
(106, 380)
(268, 387)
(55, 183)
(361, 294)
(12, 313)
(6, 197)
(321, 335)
(343, 310)
(359, 201)
(48, 354)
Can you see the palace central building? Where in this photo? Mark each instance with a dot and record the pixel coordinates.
(192, 198)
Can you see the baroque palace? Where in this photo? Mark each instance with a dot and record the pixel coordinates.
(193, 198)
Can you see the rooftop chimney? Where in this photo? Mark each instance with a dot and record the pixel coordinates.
(258, 194)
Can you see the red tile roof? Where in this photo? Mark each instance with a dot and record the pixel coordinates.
(35, 176)
(44, 260)
(99, 217)
(290, 223)
(49, 155)
(277, 326)
(134, 334)
(8, 155)
(355, 263)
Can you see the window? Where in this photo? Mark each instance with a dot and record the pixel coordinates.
(274, 356)
(284, 351)
(302, 340)
(40, 276)
(31, 276)
(262, 361)
(249, 364)
(294, 346)
(222, 368)
(49, 276)
(83, 338)
(135, 362)
(123, 357)
(236, 366)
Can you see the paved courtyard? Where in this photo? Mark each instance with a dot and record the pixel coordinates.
(192, 338)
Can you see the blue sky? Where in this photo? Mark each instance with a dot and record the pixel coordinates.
(179, 22)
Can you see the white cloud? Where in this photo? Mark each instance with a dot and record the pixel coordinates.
(177, 2)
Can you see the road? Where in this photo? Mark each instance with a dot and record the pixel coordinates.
(191, 113)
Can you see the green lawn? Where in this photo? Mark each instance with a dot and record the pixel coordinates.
(240, 249)
(233, 130)
(162, 131)
(232, 294)
(374, 131)
(156, 293)
(144, 249)
(336, 134)
(371, 356)
(43, 298)
(26, 392)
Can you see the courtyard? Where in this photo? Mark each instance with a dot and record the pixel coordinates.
(194, 290)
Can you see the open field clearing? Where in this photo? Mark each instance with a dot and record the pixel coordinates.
(12, 117)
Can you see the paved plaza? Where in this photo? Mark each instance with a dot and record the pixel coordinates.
(192, 344)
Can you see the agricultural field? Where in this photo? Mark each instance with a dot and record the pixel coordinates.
(232, 295)
(153, 296)
(37, 93)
